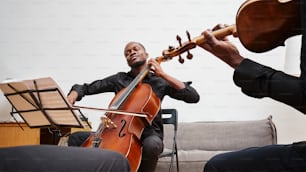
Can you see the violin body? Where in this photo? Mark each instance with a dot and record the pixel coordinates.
(265, 24)
(125, 138)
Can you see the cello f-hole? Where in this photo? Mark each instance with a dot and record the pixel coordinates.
(123, 122)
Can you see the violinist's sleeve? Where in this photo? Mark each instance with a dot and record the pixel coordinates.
(257, 80)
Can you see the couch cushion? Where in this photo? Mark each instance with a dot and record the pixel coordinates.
(199, 141)
(223, 135)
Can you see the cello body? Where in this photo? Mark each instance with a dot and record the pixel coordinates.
(265, 24)
(125, 138)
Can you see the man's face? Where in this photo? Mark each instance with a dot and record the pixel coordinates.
(135, 54)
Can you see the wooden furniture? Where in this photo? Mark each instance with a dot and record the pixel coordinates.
(13, 135)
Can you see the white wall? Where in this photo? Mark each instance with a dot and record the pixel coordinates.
(76, 41)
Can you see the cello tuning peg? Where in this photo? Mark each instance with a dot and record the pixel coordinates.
(189, 55)
(170, 48)
(179, 39)
(188, 35)
(181, 60)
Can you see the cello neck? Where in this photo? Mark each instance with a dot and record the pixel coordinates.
(130, 88)
(192, 43)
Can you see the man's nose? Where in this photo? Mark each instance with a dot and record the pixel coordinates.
(133, 52)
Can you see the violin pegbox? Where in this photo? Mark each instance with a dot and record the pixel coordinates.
(183, 47)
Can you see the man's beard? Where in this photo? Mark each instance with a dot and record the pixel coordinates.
(138, 64)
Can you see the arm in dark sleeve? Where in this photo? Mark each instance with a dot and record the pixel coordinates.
(98, 86)
(188, 94)
(260, 81)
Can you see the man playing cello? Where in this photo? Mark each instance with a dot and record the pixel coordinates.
(162, 85)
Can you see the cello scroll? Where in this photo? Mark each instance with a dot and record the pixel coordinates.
(192, 43)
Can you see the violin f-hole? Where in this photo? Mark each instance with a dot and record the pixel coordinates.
(121, 134)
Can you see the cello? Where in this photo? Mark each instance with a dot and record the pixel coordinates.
(125, 137)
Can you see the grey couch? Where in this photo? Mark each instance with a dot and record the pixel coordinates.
(199, 141)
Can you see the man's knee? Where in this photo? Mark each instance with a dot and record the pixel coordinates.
(77, 138)
(209, 167)
(152, 145)
(113, 161)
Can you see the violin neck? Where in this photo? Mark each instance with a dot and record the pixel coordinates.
(220, 33)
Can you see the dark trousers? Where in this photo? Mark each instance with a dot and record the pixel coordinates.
(152, 146)
(52, 158)
(272, 158)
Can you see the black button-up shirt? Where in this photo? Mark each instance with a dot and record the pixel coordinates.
(260, 81)
(161, 88)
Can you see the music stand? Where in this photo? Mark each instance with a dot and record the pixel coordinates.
(40, 103)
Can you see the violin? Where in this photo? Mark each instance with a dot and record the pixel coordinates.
(261, 25)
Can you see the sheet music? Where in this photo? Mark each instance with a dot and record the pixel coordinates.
(40, 102)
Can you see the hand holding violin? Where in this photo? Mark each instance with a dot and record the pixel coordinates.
(222, 47)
